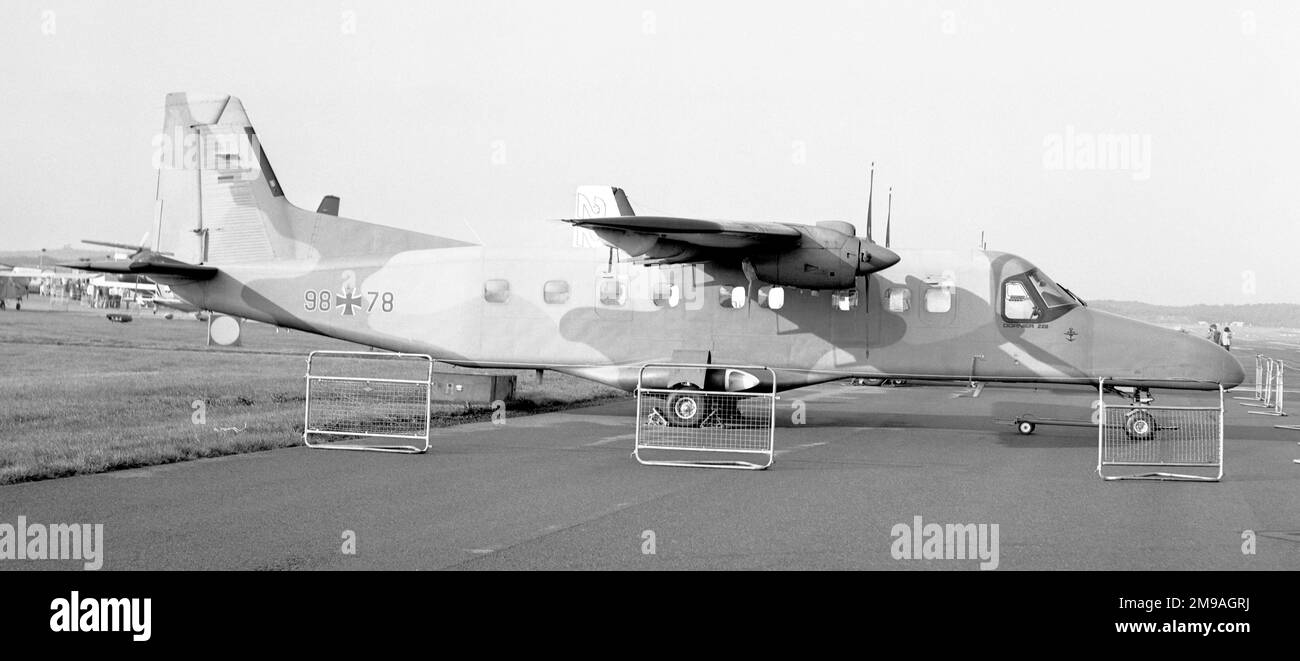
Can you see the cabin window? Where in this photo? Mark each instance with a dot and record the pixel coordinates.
(1016, 303)
(938, 299)
(845, 300)
(613, 290)
(664, 291)
(555, 292)
(771, 297)
(732, 296)
(666, 295)
(899, 299)
(496, 291)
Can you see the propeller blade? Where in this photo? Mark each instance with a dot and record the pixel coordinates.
(871, 190)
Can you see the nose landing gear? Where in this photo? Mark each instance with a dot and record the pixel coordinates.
(1139, 425)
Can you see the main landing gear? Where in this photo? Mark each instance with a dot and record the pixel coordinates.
(689, 406)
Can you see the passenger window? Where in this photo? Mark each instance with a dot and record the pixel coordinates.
(1016, 303)
(664, 291)
(732, 296)
(938, 299)
(899, 298)
(665, 295)
(845, 300)
(613, 290)
(771, 297)
(555, 292)
(496, 291)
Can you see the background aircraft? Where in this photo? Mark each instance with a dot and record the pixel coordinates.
(609, 291)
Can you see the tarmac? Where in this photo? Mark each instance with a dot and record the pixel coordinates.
(561, 491)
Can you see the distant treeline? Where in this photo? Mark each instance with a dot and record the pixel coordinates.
(54, 256)
(1285, 315)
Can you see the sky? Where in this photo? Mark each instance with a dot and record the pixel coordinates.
(1138, 151)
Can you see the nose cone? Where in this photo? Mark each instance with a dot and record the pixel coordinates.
(1231, 373)
(877, 258)
(1206, 361)
(1132, 351)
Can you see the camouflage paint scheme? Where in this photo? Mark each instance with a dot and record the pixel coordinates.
(408, 291)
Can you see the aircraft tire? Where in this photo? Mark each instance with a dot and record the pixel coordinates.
(1025, 427)
(1140, 426)
(685, 407)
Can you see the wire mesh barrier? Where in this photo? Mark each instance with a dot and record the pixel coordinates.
(360, 400)
(675, 421)
(1260, 382)
(1270, 387)
(1160, 437)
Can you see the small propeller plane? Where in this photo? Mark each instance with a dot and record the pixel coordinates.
(605, 293)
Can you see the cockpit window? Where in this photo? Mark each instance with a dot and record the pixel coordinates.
(1051, 292)
(1017, 304)
(1032, 297)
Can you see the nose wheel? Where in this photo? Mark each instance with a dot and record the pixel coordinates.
(1140, 425)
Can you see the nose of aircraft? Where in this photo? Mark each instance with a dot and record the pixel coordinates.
(1128, 349)
(1231, 373)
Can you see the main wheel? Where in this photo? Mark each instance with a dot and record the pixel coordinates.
(1025, 427)
(1140, 426)
(685, 407)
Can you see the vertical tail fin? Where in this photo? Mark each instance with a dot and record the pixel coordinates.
(218, 198)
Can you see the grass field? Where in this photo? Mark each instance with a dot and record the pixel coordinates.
(79, 394)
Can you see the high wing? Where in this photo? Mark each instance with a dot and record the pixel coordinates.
(723, 234)
(827, 255)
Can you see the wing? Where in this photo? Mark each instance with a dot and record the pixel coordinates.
(827, 255)
(708, 234)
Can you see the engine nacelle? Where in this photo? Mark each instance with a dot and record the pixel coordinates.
(829, 256)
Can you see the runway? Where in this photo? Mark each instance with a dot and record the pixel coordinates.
(560, 491)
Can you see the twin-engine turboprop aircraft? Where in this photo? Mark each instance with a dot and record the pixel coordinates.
(815, 303)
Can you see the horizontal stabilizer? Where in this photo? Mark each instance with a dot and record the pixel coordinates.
(123, 246)
(148, 263)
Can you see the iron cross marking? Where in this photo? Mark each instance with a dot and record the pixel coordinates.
(349, 300)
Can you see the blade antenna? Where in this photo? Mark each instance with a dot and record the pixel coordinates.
(889, 214)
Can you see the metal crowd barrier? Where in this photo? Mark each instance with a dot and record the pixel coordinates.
(1160, 438)
(722, 423)
(352, 395)
(1271, 388)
